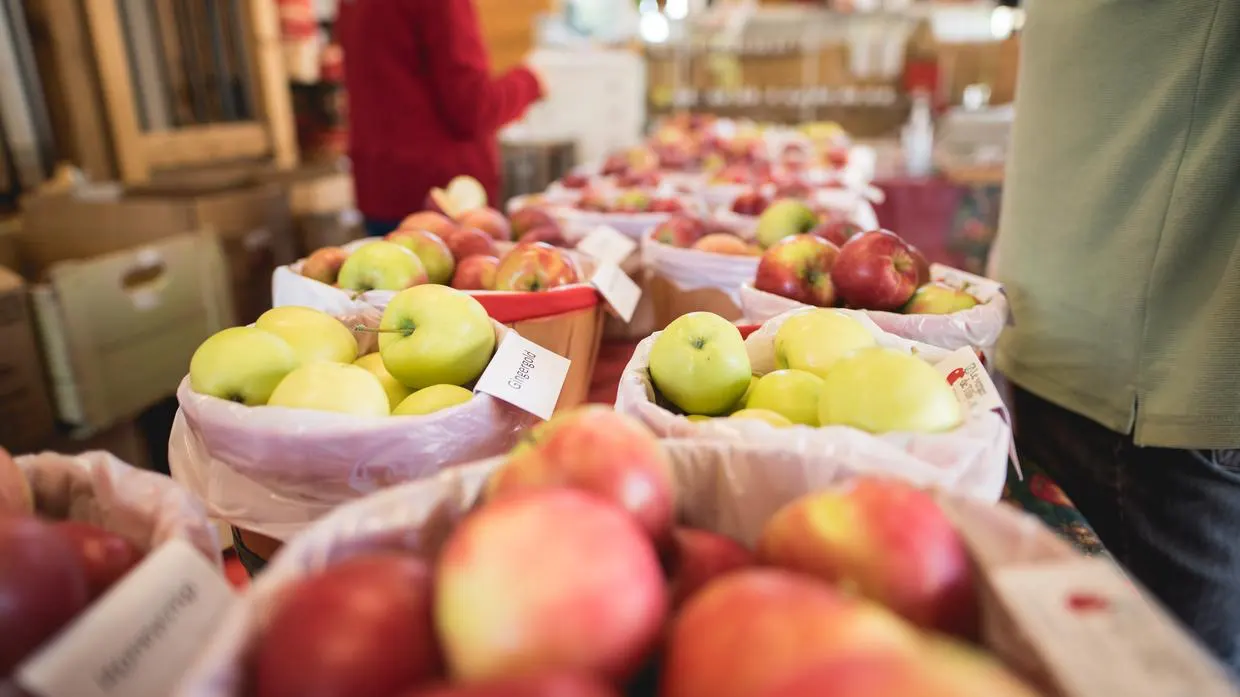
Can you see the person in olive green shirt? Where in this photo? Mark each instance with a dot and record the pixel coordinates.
(1119, 247)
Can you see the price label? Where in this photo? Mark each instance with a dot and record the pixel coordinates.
(617, 289)
(525, 375)
(975, 390)
(139, 638)
(607, 245)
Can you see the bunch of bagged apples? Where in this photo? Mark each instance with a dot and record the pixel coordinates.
(572, 578)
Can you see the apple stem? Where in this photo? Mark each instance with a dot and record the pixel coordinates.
(374, 330)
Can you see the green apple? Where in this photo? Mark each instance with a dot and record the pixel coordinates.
(337, 387)
(432, 251)
(744, 400)
(241, 364)
(435, 335)
(882, 390)
(790, 393)
(698, 418)
(429, 400)
(700, 364)
(770, 417)
(396, 392)
(381, 266)
(314, 335)
(813, 340)
(785, 218)
(939, 299)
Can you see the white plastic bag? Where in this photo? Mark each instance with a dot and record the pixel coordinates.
(969, 461)
(273, 470)
(694, 269)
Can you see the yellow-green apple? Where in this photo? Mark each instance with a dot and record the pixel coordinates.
(939, 299)
(535, 266)
(553, 683)
(701, 557)
(799, 267)
(313, 334)
(362, 627)
(881, 390)
(785, 218)
(885, 540)
(744, 400)
(381, 265)
(429, 221)
(589, 611)
(837, 231)
(813, 340)
(725, 243)
(599, 451)
(435, 335)
(429, 400)
(432, 251)
(550, 234)
(790, 393)
(698, 418)
(16, 498)
(396, 392)
(876, 271)
(323, 265)
(751, 203)
(489, 221)
(632, 201)
(765, 415)
(679, 231)
(241, 364)
(476, 272)
(754, 629)
(529, 218)
(335, 387)
(699, 363)
(467, 242)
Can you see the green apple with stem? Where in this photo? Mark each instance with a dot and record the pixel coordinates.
(396, 392)
(813, 340)
(435, 335)
(429, 400)
(241, 364)
(699, 363)
(314, 335)
(381, 265)
(785, 218)
(336, 387)
(938, 298)
(791, 393)
(882, 390)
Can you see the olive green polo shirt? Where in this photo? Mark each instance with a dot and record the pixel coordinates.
(1120, 231)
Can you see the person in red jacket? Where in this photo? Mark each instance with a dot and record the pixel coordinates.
(423, 105)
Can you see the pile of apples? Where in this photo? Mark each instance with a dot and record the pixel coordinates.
(836, 263)
(830, 372)
(572, 578)
(627, 201)
(689, 232)
(434, 342)
(50, 571)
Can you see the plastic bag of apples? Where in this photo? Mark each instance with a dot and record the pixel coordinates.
(598, 559)
(898, 407)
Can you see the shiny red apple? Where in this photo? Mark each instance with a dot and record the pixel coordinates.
(679, 231)
(467, 242)
(837, 231)
(750, 203)
(876, 270)
(535, 266)
(475, 273)
(799, 267)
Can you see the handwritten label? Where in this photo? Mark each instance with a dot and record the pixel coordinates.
(139, 638)
(607, 245)
(984, 289)
(976, 391)
(617, 289)
(525, 375)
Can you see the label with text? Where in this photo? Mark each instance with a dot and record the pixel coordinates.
(525, 375)
(141, 636)
(607, 245)
(969, 379)
(617, 289)
(984, 289)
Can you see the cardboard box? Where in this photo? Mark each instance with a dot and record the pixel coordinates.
(118, 330)
(670, 301)
(26, 418)
(251, 219)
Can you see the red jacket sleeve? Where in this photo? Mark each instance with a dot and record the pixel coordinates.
(469, 99)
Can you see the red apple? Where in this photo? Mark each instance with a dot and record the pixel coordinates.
(548, 684)
(429, 221)
(574, 181)
(554, 579)
(475, 273)
(837, 231)
(750, 203)
(700, 557)
(105, 556)
(529, 218)
(724, 243)
(360, 628)
(551, 234)
(887, 540)
(875, 271)
(535, 266)
(602, 452)
(323, 265)
(665, 205)
(799, 267)
(923, 266)
(42, 587)
(616, 163)
(468, 242)
(489, 221)
(679, 231)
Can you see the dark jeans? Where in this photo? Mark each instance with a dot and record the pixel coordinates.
(1171, 517)
(379, 228)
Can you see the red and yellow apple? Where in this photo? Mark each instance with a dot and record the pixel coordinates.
(837, 231)
(701, 557)
(725, 243)
(550, 234)
(475, 272)
(489, 221)
(939, 299)
(467, 242)
(555, 683)
(535, 266)
(429, 221)
(876, 271)
(679, 231)
(785, 218)
(323, 265)
(528, 218)
(432, 251)
(799, 267)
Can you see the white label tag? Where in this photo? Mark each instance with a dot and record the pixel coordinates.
(983, 289)
(606, 244)
(525, 375)
(976, 391)
(141, 636)
(620, 292)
